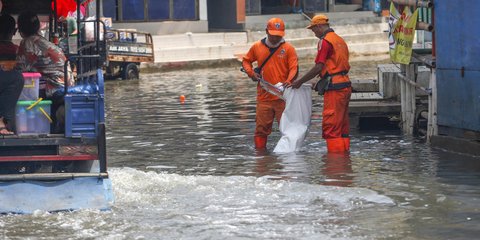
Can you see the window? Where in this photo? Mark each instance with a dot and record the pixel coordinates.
(150, 10)
(110, 9)
(158, 9)
(184, 9)
(133, 10)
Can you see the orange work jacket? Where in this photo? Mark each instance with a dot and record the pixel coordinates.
(338, 61)
(281, 67)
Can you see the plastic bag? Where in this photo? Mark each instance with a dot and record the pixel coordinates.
(295, 119)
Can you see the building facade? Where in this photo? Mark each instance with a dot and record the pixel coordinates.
(179, 16)
(158, 16)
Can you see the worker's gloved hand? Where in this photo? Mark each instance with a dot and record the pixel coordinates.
(256, 77)
(296, 84)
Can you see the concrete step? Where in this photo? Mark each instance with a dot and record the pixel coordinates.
(182, 54)
(374, 48)
(365, 85)
(363, 39)
(341, 30)
(304, 48)
(350, 39)
(346, 7)
(198, 40)
(296, 20)
(360, 28)
(362, 96)
(238, 38)
(224, 51)
(366, 38)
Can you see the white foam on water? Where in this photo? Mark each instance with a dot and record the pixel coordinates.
(238, 206)
(160, 167)
(170, 206)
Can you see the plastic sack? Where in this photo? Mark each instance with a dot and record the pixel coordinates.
(88, 88)
(295, 119)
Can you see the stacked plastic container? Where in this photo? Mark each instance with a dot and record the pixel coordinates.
(32, 114)
(33, 117)
(30, 88)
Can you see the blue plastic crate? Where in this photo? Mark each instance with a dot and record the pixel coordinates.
(83, 112)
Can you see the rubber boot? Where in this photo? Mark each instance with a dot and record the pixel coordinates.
(346, 142)
(338, 145)
(260, 142)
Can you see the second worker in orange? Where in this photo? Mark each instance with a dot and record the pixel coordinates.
(331, 63)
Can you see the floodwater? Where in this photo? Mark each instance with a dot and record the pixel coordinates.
(189, 171)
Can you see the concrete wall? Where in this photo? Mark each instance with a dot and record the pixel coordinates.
(389, 81)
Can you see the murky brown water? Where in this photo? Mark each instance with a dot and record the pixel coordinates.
(189, 171)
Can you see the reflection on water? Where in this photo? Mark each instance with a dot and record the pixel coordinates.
(337, 169)
(190, 171)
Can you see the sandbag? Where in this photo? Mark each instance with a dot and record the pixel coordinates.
(295, 119)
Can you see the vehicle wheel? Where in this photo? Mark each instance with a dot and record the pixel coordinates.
(130, 71)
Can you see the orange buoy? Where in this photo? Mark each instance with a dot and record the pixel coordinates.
(182, 99)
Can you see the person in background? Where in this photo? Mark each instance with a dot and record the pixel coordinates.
(281, 67)
(37, 54)
(331, 63)
(294, 6)
(11, 80)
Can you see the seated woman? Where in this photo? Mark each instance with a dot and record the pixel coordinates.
(37, 54)
(11, 80)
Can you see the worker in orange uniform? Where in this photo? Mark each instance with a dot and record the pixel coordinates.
(277, 63)
(331, 64)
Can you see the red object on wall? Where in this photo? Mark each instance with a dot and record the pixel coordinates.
(64, 7)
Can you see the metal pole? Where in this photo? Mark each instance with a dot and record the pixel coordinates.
(49, 176)
(97, 27)
(102, 147)
(403, 102)
(410, 82)
(432, 128)
(433, 35)
(55, 17)
(306, 16)
(413, 101)
(408, 107)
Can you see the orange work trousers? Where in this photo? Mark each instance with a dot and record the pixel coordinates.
(335, 122)
(265, 114)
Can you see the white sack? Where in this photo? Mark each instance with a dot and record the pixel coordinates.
(295, 119)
